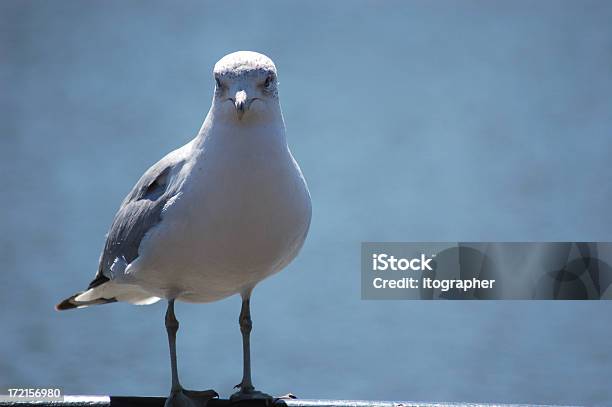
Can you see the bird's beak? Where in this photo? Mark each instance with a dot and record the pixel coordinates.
(240, 101)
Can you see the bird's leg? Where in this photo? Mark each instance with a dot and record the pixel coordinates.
(180, 397)
(172, 326)
(246, 325)
(247, 391)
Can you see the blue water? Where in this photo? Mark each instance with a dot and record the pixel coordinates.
(446, 120)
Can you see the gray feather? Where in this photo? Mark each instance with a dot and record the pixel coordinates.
(139, 212)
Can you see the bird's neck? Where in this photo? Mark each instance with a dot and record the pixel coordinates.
(242, 135)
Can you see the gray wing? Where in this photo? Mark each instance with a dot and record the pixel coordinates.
(139, 212)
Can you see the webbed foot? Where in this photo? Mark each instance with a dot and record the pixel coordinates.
(189, 398)
(288, 396)
(249, 393)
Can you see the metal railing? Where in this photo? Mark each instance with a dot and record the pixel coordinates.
(126, 401)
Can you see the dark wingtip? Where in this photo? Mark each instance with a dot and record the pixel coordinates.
(66, 304)
(70, 303)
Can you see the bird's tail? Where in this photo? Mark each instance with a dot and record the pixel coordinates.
(72, 302)
(105, 293)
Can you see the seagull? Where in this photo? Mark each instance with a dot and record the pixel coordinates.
(212, 218)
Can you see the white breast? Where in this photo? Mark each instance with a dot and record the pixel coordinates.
(242, 214)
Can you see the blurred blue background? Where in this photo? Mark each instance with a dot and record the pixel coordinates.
(443, 121)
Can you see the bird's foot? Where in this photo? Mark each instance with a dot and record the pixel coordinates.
(202, 396)
(180, 399)
(189, 398)
(288, 396)
(249, 393)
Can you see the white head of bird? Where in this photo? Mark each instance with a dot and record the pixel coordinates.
(246, 89)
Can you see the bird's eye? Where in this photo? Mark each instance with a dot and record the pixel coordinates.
(218, 82)
(269, 81)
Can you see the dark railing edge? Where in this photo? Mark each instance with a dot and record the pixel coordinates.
(130, 401)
